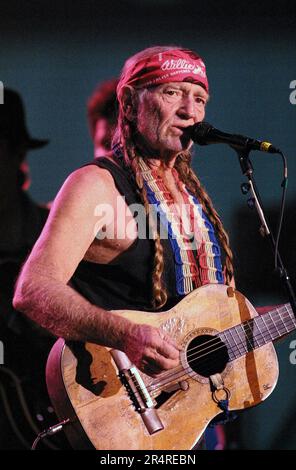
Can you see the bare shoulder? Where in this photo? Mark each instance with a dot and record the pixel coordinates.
(90, 173)
(86, 186)
(72, 223)
(91, 177)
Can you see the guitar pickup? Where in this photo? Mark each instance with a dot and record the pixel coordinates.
(133, 382)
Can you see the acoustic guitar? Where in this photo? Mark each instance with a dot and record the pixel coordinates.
(227, 357)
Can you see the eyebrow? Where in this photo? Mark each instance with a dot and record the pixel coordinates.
(201, 92)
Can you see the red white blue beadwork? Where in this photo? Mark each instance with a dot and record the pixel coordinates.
(196, 251)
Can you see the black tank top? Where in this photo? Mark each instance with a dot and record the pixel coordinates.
(126, 282)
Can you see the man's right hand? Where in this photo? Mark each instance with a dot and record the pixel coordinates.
(150, 350)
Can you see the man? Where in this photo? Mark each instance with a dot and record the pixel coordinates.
(102, 109)
(22, 219)
(83, 266)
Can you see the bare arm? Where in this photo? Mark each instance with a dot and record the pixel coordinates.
(42, 292)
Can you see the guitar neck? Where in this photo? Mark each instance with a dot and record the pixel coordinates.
(258, 331)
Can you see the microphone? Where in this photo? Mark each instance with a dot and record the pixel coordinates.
(204, 133)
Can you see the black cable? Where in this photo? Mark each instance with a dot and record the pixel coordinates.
(282, 209)
(49, 432)
(22, 400)
(11, 419)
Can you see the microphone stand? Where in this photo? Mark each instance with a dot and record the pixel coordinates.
(248, 171)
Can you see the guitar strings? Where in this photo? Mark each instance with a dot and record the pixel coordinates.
(196, 356)
(176, 375)
(246, 324)
(246, 337)
(216, 339)
(171, 375)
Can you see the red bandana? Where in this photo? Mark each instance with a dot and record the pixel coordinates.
(170, 66)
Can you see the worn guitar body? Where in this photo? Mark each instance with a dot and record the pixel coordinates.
(84, 386)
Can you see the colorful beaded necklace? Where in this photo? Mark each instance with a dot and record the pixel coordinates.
(197, 254)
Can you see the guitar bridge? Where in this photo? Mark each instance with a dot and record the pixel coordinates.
(137, 390)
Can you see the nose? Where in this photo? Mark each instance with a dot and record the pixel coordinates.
(187, 108)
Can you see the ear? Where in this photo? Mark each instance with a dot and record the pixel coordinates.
(129, 102)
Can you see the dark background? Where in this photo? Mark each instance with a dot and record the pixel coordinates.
(55, 54)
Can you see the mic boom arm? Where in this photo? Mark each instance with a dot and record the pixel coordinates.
(204, 133)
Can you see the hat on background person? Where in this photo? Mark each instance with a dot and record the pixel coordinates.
(13, 122)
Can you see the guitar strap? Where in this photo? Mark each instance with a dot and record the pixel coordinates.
(221, 395)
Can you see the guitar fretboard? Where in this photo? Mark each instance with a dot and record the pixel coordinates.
(258, 331)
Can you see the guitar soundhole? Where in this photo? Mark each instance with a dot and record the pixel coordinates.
(207, 355)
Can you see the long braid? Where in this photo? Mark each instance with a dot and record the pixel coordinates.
(189, 178)
(159, 295)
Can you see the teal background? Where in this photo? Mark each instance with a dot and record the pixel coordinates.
(56, 54)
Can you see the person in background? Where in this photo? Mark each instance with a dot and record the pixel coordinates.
(102, 110)
(22, 376)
